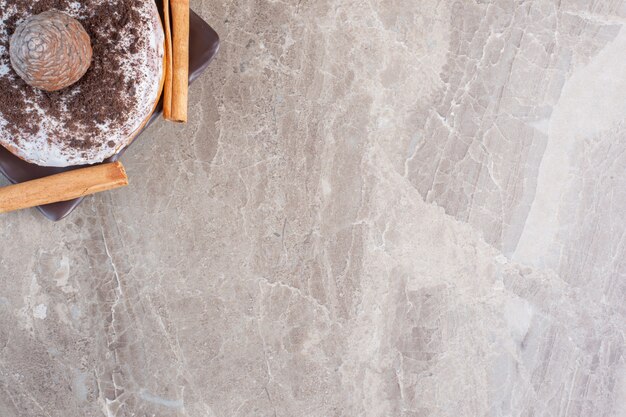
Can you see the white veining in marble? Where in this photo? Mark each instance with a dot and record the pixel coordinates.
(591, 103)
(379, 208)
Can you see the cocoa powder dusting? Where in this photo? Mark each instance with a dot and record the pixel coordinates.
(102, 96)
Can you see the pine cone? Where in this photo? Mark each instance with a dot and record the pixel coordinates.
(50, 51)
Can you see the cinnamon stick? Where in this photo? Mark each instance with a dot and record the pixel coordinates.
(167, 87)
(63, 187)
(180, 61)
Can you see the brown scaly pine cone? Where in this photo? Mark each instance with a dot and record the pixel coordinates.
(50, 51)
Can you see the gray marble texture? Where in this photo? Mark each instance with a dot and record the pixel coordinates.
(380, 208)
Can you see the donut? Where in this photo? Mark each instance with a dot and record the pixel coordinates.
(54, 114)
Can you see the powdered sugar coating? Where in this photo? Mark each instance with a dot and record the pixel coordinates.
(52, 144)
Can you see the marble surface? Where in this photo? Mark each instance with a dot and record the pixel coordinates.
(378, 208)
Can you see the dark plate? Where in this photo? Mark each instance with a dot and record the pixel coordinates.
(204, 44)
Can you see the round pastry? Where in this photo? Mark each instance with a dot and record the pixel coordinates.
(61, 106)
